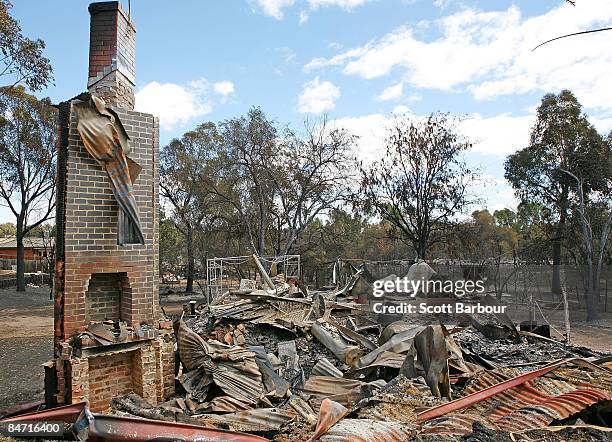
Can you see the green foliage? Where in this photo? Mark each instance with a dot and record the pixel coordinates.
(7, 229)
(171, 247)
(484, 237)
(22, 58)
(561, 139)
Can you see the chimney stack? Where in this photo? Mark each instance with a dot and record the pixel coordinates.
(112, 46)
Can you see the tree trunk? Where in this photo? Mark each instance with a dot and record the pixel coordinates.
(421, 248)
(190, 260)
(20, 258)
(555, 287)
(262, 241)
(592, 302)
(591, 288)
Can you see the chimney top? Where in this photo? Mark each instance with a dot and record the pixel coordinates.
(112, 67)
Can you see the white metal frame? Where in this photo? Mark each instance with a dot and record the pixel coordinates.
(218, 282)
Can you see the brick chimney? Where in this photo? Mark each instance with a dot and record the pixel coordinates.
(112, 46)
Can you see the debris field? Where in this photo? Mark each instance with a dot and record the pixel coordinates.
(288, 364)
(273, 360)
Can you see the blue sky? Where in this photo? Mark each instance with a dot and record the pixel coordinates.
(359, 61)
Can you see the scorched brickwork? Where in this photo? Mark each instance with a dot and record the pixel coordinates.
(108, 338)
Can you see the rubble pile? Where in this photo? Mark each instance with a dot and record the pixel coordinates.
(287, 364)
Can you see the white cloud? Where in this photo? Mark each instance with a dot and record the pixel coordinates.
(318, 96)
(499, 135)
(391, 93)
(176, 104)
(224, 88)
(344, 4)
(337, 60)
(603, 125)
(273, 8)
(496, 136)
(489, 54)
(442, 4)
(371, 130)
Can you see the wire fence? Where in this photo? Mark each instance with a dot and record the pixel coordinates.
(517, 283)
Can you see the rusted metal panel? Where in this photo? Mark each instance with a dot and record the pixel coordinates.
(502, 387)
(518, 403)
(329, 414)
(326, 386)
(67, 413)
(30, 407)
(559, 407)
(234, 369)
(126, 429)
(325, 368)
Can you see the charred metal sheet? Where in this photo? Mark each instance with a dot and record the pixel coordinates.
(303, 409)
(325, 368)
(260, 419)
(274, 384)
(233, 369)
(124, 429)
(221, 404)
(559, 407)
(353, 335)
(455, 424)
(325, 386)
(30, 407)
(367, 430)
(533, 416)
(399, 343)
(385, 359)
(349, 354)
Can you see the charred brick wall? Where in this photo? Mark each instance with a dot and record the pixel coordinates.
(104, 296)
(90, 232)
(110, 376)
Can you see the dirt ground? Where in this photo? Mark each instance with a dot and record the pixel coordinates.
(597, 336)
(26, 342)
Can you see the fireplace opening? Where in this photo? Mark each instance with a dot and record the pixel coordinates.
(106, 296)
(111, 376)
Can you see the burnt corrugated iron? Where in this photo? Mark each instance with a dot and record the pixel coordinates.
(325, 368)
(233, 369)
(514, 404)
(367, 430)
(258, 419)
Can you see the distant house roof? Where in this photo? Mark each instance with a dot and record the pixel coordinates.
(10, 242)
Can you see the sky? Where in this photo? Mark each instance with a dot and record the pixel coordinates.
(360, 62)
